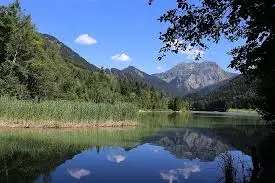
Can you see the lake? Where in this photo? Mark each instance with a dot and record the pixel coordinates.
(164, 148)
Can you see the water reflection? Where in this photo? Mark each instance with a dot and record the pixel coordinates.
(264, 160)
(179, 173)
(116, 158)
(78, 173)
(166, 148)
(235, 166)
(190, 143)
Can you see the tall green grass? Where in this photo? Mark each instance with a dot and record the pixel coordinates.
(65, 111)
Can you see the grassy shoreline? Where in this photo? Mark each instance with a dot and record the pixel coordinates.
(65, 114)
(73, 114)
(57, 124)
(242, 110)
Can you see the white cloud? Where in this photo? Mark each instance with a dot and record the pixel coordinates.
(116, 158)
(192, 53)
(121, 57)
(159, 68)
(85, 39)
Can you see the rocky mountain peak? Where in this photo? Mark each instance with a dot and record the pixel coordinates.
(189, 77)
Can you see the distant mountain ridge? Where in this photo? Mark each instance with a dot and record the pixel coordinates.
(190, 77)
(129, 73)
(133, 73)
(214, 87)
(180, 80)
(205, 85)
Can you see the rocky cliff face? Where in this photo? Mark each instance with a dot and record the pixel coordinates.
(189, 77)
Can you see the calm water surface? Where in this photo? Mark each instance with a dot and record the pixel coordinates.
(165, 148)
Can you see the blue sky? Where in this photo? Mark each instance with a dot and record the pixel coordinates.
(114, 33)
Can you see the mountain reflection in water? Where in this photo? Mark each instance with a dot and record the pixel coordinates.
(181, 150)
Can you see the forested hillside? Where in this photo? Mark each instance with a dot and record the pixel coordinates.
(35, 66)
(237, 93)
(69, 55)
(133, 73)
(38, 66)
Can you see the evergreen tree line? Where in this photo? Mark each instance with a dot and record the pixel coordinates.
(239, 93)
(34, 66)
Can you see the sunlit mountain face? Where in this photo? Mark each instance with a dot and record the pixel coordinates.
(189, 77)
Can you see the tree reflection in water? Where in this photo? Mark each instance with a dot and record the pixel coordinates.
(25, 156)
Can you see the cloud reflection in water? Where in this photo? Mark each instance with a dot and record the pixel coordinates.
(79, 173)
(179, 173)
(116, 158)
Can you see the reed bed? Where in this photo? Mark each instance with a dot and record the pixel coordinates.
(65, 111)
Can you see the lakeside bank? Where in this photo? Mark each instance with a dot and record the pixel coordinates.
(65, 114)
